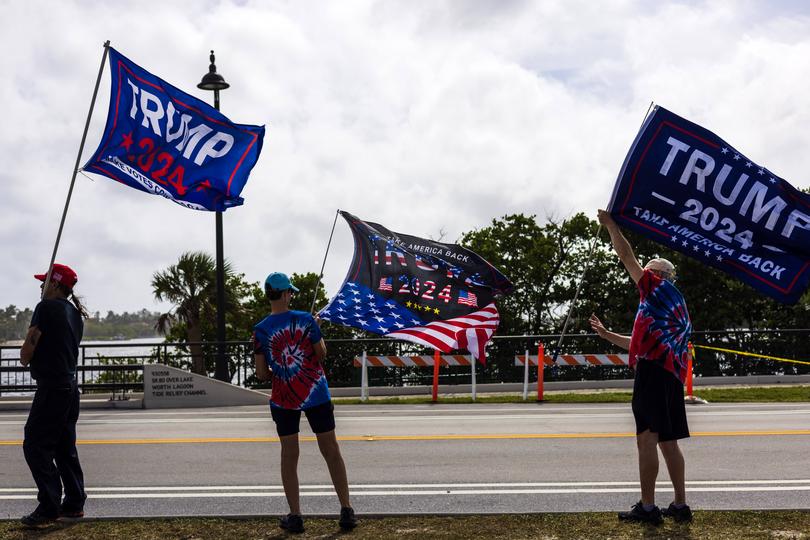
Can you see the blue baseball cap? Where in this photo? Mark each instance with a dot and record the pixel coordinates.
(279, 282)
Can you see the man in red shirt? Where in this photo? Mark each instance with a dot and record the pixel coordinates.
(659, 354)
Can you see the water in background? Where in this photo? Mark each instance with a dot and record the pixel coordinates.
(138, 347)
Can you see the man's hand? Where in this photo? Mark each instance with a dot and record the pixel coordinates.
(606, 219)
(597, 325)
(604, 333)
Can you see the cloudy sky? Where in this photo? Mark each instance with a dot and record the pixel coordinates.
(428, 117)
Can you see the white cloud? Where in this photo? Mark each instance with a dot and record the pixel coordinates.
(425, 117)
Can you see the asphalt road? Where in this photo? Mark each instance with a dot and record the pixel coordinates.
(421, 459)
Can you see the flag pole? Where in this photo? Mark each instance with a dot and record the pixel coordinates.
(576, 296)
(320, 276)
(76, 168)
(582, 278)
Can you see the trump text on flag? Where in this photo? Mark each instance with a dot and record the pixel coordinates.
(686, 188)
(163, 141)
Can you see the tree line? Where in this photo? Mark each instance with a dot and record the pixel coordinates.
(14, 324)
(546, 260)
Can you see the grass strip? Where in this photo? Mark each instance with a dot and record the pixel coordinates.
(720, 525)
(769, 394)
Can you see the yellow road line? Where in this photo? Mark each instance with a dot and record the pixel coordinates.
(369, 438)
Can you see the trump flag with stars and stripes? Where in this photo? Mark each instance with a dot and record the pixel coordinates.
(410, 288)
(686, 188)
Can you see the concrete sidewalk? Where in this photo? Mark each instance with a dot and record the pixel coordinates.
(88, 401)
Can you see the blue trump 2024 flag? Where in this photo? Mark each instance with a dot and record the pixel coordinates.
(686, 188)
(161, 140)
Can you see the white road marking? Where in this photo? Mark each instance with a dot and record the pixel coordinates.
(421, 418)
(433, 485)
(418, 418)
(396, 410)
(386, 490)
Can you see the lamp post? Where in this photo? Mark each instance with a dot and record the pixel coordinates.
(216, 82)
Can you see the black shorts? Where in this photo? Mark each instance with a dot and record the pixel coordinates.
(321, 419)
(658, 402)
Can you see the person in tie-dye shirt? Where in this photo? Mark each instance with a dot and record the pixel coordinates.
(288, 350)
(659, 349)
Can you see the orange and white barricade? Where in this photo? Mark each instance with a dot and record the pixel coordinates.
(366, 361)
(527, 360)
(577, 359)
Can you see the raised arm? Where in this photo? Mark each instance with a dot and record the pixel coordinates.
(621, 246)
(617, 339)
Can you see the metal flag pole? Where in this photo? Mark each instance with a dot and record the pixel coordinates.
(576, 296)
(582, 278)
(320, 276)
(76, 168)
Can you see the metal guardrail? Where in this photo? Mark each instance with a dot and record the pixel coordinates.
(123, 372)
(101, 368)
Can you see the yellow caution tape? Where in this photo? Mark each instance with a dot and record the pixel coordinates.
(752, 354)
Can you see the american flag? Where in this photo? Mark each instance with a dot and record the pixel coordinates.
(471, 332)
(358, 306)
(467, 298)
(425, 263)
(401, 286)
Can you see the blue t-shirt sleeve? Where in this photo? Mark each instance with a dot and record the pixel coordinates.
(259, 339)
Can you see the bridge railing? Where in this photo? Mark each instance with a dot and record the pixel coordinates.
(113, 367)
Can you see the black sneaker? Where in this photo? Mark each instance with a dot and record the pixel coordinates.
(637, 513)
(682, 514)
(37, 520)
(71, 510)
(347, 520)
(293, 523)
(70, 513)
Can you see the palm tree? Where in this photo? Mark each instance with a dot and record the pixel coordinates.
(191, 286)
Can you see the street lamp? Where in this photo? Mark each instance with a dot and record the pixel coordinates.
(216, 82)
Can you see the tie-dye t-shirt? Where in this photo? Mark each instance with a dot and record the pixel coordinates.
(662, 327)
(287, 342)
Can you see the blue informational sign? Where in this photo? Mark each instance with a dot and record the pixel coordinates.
(686, 188)
(161, 140)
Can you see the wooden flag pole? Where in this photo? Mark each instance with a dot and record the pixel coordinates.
(76, 168)
(320, 276)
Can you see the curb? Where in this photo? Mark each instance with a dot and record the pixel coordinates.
(381, 515)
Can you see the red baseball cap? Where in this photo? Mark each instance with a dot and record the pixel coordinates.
(61, 274)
